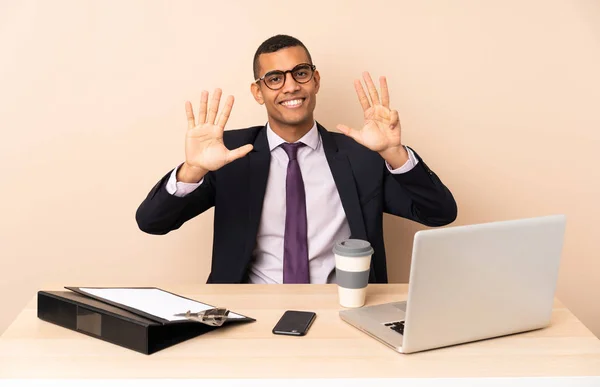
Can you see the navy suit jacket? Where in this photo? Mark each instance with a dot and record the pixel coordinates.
(366, 187)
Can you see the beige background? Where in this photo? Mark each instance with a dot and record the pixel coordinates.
(500, 98)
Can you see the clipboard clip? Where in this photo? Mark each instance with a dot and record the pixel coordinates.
(214, 317)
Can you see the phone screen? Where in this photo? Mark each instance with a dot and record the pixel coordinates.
(295, 323)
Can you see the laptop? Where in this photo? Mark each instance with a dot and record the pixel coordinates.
(470, 283)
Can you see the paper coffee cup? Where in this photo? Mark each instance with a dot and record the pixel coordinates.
(352, 266)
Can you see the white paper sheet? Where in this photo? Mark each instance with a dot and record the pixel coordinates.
(156, 302)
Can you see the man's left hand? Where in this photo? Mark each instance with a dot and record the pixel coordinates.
(381, 131)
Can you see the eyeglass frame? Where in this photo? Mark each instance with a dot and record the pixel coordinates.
(311, 66)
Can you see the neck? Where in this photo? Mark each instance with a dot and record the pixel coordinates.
(291, 133)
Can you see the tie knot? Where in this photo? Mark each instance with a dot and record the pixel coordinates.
(291, 149)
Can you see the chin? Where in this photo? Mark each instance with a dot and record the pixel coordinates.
(304, 120)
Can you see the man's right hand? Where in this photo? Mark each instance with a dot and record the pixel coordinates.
(204, 147)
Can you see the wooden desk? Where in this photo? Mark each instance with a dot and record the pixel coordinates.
(31, 348)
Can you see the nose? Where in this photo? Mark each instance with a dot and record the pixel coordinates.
(290, 84)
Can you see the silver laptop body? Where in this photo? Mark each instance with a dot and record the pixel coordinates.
(470, 283)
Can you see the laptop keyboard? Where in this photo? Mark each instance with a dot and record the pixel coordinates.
(397, 326)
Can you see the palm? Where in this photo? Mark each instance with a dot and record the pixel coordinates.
(381, 130)
(376, 133)
(204, 147)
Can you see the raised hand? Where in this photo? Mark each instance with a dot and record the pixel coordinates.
(381, 130)
(204, 147)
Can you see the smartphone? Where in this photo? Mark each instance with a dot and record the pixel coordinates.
(294, 323)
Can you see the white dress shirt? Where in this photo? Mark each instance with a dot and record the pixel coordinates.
(326, 219)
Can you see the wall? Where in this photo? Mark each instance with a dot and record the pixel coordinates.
(499, 97)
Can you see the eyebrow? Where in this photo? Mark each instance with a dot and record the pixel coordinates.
(301, 63)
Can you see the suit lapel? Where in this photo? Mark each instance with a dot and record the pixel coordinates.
(258, 172)
(344, 181)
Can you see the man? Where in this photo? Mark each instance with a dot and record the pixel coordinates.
(286, 192)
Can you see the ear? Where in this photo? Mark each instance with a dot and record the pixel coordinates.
(255, 90)
(317, 78)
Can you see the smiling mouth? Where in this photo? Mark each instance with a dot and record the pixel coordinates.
(293, 104)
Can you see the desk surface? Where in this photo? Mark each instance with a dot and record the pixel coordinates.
(31, 348)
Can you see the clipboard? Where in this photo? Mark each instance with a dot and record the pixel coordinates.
(123, 297)
(122, 324)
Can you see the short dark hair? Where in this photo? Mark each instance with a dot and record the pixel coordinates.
(276, 43)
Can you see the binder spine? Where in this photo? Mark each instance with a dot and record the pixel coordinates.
(93, 322)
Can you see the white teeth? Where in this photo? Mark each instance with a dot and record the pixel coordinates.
(294, 102)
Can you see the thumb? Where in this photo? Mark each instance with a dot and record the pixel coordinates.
(348, 131)
(239, 152)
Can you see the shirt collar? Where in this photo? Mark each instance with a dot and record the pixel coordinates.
(310, 139)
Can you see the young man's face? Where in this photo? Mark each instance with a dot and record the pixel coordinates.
(294, 103)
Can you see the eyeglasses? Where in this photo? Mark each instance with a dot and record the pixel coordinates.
(275, 79)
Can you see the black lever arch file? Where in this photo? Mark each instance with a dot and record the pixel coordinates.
(120, 325)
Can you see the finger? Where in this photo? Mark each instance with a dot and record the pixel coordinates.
(189, 112)
(348, 131)
(371, 87)
(394, 119)
(224, 115)
(385, 95)
(203, 103)
(214, 107)
(239, 152)
(362, 97)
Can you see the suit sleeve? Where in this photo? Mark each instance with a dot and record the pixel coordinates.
(419, 195)
(162, 212)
